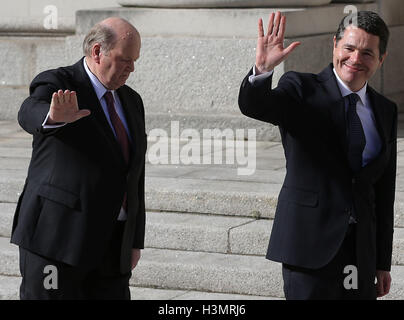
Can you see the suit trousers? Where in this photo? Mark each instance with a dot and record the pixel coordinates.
(46, 279)
(331, 282)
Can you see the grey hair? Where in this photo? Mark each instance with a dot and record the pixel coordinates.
(101, 34)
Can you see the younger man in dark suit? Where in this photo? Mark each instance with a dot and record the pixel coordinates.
(334, 217)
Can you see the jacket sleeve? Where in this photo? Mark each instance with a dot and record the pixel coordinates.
(34, 109)
(284, 106)
(385, 194)
(138, 241)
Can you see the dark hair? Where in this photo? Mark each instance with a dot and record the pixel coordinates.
(368, 21)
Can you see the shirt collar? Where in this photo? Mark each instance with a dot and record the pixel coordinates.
(346, 91)
(98, 86)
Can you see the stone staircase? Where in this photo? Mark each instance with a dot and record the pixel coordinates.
(207, 227)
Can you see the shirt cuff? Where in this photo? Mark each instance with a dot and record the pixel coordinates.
(261, 77)
(51, 126)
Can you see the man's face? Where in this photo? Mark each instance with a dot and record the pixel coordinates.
(356, 57)
(116, 66)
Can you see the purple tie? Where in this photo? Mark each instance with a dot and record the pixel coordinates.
(121, 134)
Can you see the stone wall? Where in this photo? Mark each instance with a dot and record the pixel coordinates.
(193, 60)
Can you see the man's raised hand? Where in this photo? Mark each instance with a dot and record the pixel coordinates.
(64, 108)
(270, 50)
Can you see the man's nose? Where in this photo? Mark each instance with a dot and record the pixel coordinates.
(355, 56)
(132, 66)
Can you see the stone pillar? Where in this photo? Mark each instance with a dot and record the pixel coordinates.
(221, 3)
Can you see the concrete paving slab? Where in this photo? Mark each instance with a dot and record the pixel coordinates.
(199, 295)
(14, 163)
(10, 189)
(251, 238)
(207, 233)
(6, 218)
(196, 271)
(15, 142)
(141, 293)
(213, 272)
(9, 265)
(230, 174)
(186, 270)
(7, 152)
(10, 287)
(398, 247)
(209, 196)
(11, 129)
(191, 232)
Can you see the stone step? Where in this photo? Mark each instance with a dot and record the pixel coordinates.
(201, 271)
(196, 189)
(206, 233)
(225, 273)
(10, 286)
(162, 121)
(223, 197)
(171, 185)
(187, 270)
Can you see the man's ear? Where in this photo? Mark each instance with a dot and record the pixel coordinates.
(335, 41)
(96, 52)
(382, 58)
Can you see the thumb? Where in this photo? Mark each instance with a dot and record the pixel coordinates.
(291, 47)
(82, 113)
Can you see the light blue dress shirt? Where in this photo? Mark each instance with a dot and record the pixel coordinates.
(100, 91)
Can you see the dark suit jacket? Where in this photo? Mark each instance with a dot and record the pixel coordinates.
(77, 176)
(319, 190)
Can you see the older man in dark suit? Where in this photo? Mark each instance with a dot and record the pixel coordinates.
(82, 207)
(334, 217)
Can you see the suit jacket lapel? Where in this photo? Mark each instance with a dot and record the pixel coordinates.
(378, 111)
(336, 105)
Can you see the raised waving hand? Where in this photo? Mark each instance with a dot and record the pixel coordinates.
(64, 108)
(270, 50)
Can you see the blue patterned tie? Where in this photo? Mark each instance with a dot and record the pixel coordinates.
(356, 135)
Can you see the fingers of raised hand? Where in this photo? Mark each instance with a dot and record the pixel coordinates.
(282, 25)
(73, 98)
(270, 24)
(64, 98)
(260, 28)
(61, 96)
(55, 99)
